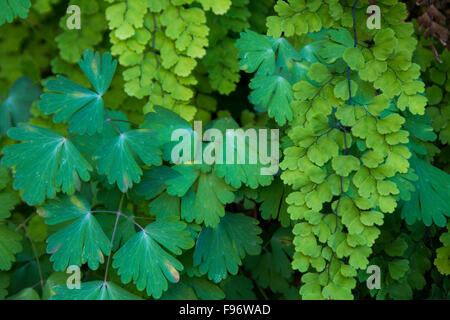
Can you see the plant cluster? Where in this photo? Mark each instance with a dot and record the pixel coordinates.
(87, 179)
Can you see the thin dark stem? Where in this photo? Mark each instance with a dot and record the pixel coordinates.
(112, 123)
(316, 94)
(354, 22)
(113, 236)
(121, 214)
(72, 136)
(132, 221)
(127, 121)
(23, 224)
(112, 242)
(349, 86)
(33, 247)
(103, 211)
(153, 41)
(262, 292)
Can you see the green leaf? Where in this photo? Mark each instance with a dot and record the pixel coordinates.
(420, 127)
(319, 72)
(238, 288)
(10, 245)
(44, 163)
(16, 107)
(81, 241)
(273, 202)
(8, 199)
(429, 203)
(10, 9)
(187, 174)
(341, 90)
(143, 259)
(154, 181)
(343, 165)
(4, 284)
(116, 159)
(165, 122)
(274, 94)
(396, 248)
(385, 43)
(26, 294)
(93, 290)
(398, 268)
(256, 53)
(204, 194)
(341, 36)
(273, 268)
(249, 171)
(221, 250)
(210, 198)
(354, 58)
(192, 289)
(165, 205)
(83, 108)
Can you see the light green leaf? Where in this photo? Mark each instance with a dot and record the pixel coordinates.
(354, 58)
(343, 165)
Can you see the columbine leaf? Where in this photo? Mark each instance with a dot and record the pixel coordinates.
(429, 203)
(192, 289)
(274, 94)
(16, 107)
(237, 173)
(256, 53)
(420, 127)
(221, 250)
(273, 202)
(81, 241)
(83, 108)
(143, 259)
(116, 159)
(273, 268)
(165, 122)
(45, 162)
(10, 9)
(154, 181)
(93, 290)
(204, 194)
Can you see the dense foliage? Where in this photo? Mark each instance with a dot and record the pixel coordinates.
(87, 179)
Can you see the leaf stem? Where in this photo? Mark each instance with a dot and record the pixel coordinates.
(22, 225)
(110, 121)
(38, 264)
(354, 22)
(112, 238)
(122, 120)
